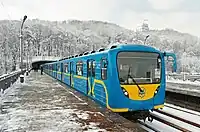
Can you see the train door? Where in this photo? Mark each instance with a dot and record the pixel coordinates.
(62, 73)
(51, 70)
(71, 73)
(91, 75)
(56, 69)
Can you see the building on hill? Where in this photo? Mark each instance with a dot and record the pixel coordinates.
(145, 26)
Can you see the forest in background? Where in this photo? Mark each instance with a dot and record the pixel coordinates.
(64, 38)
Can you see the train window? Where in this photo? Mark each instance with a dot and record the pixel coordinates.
(139, 67)
(104, 65)
(89, 68)
(58, 68)
(93, 68)
(79, 68)
(66, 68)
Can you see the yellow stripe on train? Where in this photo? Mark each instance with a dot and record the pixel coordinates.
(159, 106)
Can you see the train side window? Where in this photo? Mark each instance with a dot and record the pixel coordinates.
(66, 68)
(58, 68)
(89, 68)
(104, 65)
(93, 68)
(79, 68)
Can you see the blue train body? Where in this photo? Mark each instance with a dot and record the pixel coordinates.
(100, 76)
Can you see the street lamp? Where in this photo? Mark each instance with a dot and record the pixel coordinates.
(146, 39)
(21, 47)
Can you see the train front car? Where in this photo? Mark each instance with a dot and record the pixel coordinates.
(140, 79)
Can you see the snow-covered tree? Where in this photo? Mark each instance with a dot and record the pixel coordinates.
(72, 37)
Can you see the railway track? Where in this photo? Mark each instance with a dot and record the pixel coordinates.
(147, 126)
(183, 110)
(179, 118)
(170, 123)
(160, 119)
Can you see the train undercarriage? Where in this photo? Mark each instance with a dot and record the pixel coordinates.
(135, 115)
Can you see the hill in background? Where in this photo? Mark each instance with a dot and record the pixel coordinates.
(64, 38)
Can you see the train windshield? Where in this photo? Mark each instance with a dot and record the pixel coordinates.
(139, 67)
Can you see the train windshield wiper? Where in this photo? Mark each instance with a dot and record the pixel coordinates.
(129, 76)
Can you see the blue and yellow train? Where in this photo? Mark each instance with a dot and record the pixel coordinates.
(123, 78)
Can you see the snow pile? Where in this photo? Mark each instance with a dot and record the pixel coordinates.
(178, 81)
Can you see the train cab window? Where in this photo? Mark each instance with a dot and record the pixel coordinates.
(139, 67)
(104, 65)
(66, 70)
(79, 68)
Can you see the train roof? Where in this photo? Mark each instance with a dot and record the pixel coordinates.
(126, 47)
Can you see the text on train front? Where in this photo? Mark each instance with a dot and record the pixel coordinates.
(139, 73)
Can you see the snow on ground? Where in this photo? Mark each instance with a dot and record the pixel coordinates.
(42, 104)
(21, 112)
(197, 83)
(185, 87)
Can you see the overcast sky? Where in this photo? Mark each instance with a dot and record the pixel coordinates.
(181, 15)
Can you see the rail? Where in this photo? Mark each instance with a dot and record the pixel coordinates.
(169, 123)
(148, 126)
(179, 118)
(158, 118)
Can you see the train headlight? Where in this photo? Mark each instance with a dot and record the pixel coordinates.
(156, 90)
(125, 92)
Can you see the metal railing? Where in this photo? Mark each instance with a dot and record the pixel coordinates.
(7, 80)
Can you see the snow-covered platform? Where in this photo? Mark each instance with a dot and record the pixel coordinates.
(184, 87)
(43, 104)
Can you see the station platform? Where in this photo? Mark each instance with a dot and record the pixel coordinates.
(184, 88)
(44, 104)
